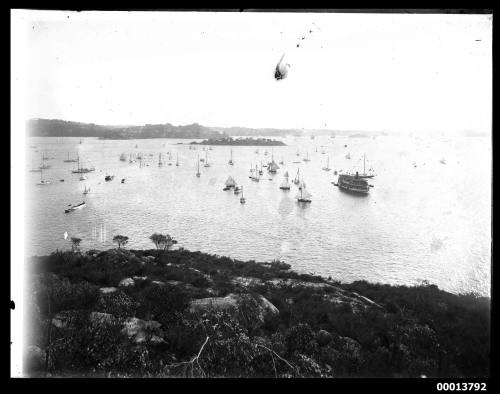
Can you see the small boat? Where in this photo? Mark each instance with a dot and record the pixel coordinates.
(256, 151)
(296, 181)
(442, 161)
(327, 168)
(123, 157)
(307, 157)
(242, 199)
(285, 185)
(230, 183)
(273, 167)
(255, 175)
(260, 171)
(348, 156)
(33, 169)
(370, 173)
(68, 160)
(230, 162)
(80, 141)
(123, 180)
(43, 181)
(282, 162)
(265, 153)
(177, 160)
(82, 177)
(237, 190)
(108, 178)
(61, 180)
(303, 195)
(86, 191)
(82, 170)
(207, 164)
(198, 162)
(75, 207)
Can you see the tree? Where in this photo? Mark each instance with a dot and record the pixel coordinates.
(121, 240)
(75, 244)
(162, 242)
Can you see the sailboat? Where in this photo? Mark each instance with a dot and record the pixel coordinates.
(198, 162)
(82, 170)
(177, 160)
(297, 177)
(307, 157)
(364, 174)
(285, 185)
(43, 181)
(231, 159)
(282, 161)
(303, 195)
(255, 175)
(206, 160)
(242, 199)
(123, 157)
(33, 169)
(327, 168)
(230, 183)
(348, 155)
(68, 160)
(160, 162)
(86, 191)
(442, 161)
(237, 190)
(260, 171)
(273, 167)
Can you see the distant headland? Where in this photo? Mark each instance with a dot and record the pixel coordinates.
(240, 142)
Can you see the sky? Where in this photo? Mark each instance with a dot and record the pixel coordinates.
(393, 72)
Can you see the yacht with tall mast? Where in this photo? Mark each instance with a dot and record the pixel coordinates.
(327, 168)
(303, 195)
(82, 170)
(285, 185)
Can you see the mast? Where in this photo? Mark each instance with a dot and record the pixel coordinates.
(364, 172)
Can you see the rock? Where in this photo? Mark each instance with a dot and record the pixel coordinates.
(158, 283)
(126, 282)
(265, 311)
(142, 330)
(323, 337)
(246, 281)
(102, 318)
(107, 290)
(34, 359)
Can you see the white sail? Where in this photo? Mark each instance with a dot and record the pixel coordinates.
(273, 167)
(285, 184)
(230, 182)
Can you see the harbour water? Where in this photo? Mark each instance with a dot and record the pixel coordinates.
(423, 220)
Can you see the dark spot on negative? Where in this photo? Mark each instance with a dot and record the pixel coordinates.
(12, 305)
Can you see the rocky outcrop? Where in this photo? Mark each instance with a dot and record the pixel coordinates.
(263, 309)
(141, 331)
(127, 282)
